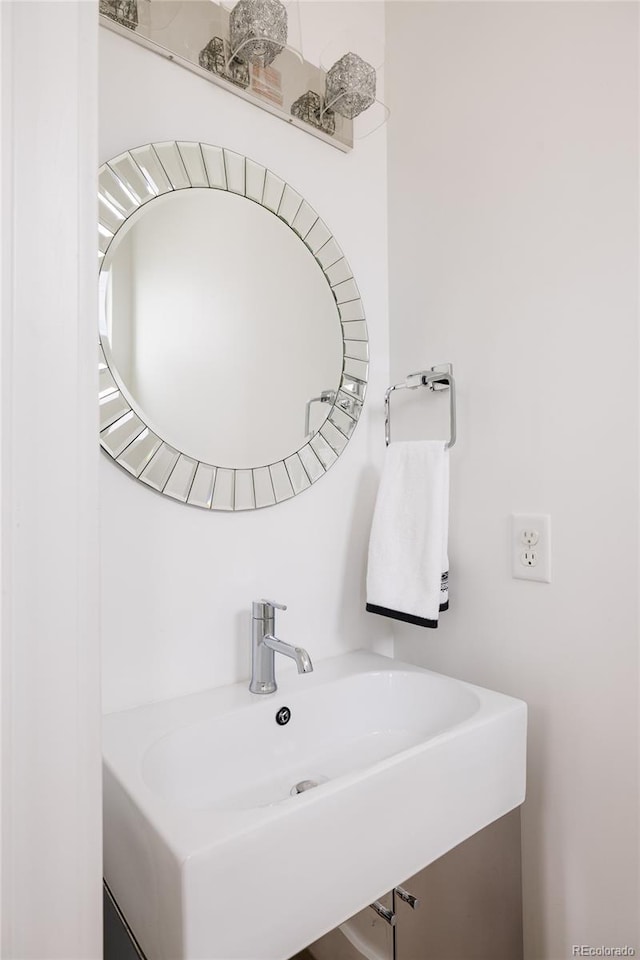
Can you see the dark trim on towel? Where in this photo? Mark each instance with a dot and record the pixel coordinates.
(406, 617)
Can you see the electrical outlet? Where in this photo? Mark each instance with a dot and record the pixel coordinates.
(531, 547)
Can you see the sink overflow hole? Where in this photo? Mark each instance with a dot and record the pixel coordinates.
(302, 786)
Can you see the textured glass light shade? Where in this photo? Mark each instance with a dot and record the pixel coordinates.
(124, 12)
(258, 30)
(351, 86)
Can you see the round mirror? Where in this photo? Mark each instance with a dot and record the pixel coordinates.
(233, 359)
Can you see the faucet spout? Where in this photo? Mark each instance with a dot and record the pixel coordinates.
(265, 645)
(299, 654)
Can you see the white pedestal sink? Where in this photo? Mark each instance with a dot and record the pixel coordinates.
(209, 855)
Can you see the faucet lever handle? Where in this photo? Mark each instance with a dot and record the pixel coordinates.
(265, 609)
(272, 603)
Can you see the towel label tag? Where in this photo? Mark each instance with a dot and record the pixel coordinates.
(444, 588)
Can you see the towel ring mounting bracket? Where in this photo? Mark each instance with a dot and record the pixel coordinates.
(439, 377)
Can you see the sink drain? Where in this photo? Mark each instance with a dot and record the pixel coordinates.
(302, 786)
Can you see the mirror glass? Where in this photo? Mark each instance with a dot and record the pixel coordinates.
(221, 326)
(233, 359)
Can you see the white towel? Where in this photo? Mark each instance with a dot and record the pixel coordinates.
(408, 570)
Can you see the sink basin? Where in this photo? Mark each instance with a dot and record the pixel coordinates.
(243, 759)
(211, 853)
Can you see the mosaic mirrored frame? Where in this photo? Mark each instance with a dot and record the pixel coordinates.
(126, 183)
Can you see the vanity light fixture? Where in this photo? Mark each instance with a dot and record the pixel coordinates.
(257, 31)
(234, 43)
(350, 89)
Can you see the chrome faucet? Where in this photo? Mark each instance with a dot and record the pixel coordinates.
(265, 645)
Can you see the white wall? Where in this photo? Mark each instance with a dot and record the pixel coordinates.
(513, 219)
(177, 582)
(51, 903)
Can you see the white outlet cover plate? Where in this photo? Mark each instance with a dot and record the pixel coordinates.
(540, 522)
